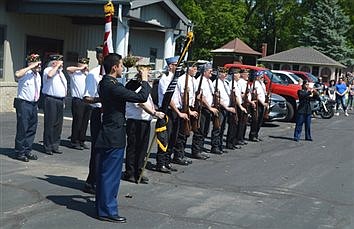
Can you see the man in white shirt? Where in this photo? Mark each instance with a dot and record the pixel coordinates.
(163, 158)
(208, 111)
(29, 84)
(81, 111)
(233, 121)
(91, 97)
(260, 90)
(139, 116)
(54, 91)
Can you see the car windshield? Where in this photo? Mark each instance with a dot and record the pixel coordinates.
(274, 78)
(312, 77)
(296, 77)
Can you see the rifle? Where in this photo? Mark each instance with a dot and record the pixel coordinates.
(185, 105)
(216, 102)
(198, 104)
(268, 99)
(254, 98)
(233, 102)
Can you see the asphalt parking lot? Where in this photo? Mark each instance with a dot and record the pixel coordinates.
(276, 183)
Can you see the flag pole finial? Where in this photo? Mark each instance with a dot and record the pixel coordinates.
(109, 9)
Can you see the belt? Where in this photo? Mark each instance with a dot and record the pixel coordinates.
(25, 101)
(54, 97)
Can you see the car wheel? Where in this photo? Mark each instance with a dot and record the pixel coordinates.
(290, 115)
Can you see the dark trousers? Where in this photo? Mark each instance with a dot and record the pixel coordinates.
(243, 118)
(27, 119)
(108, 181)
(81, 114)
(138, 134)
(163, 158)
(202, 132)
(95, 125)
(181, 141)
(257, 121)
(232, 130)
(53, 122)
(217, 134)
(300, 120)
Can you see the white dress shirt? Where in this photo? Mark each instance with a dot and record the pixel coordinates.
(243, 87)
(207, 88)
(261, 90)
(164, 81)
(77, 84)
(56, 85)
(134, 111)
(29, 86)
(92, 80)
(224, 90)
(191, 88)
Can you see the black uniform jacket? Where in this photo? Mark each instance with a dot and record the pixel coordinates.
(113, 97)
(304, 102)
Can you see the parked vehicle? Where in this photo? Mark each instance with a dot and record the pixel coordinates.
(323, 106)
(278, 110)
(277, 86)
(307, 76)
(286, 76)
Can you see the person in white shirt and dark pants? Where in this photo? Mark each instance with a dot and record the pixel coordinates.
(26, 104)
(81, 111)
(54, 91)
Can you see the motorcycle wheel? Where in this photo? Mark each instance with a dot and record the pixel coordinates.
(329, 114)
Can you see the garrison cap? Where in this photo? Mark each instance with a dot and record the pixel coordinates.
(33, 57)
(172, 60)
(234, 70)
(56, 57)
(244, 71)
(223, 70)
(84, 60)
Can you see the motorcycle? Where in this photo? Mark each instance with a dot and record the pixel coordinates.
(323, 106)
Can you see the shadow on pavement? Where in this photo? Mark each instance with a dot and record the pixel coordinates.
(269, 124)
(64, 181)
(282, 137)
(79, 203)
(10, 152)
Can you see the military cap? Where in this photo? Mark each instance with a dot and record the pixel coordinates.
(223, 70)
(33, 57)
(56, 57)
(244, 71)
(172, 60)
(259, 73)
(144, 62)
(234, 70)
(84, 60)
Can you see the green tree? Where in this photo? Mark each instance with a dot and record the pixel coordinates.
(325, 29)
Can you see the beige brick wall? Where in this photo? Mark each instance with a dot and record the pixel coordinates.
(8, 91)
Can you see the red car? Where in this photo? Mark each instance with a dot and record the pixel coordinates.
(305, 76)
(278, 86)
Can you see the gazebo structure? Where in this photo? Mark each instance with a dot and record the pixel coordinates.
(305, 59)
(235, 51)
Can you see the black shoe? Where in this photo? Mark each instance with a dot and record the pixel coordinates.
(215, 151)
(31, 156)
(199, 156)
(170, 167)
(128, 178)
(49, 152)
(22, 158)
(230, 147)
(253, 139)
(57, 151)
(224, 151)
(243, 142)
(76, 146)
(113, 219)
(237, 147)
(295, 139)
(162, 169)
(83, 145)
(89, 188)
(189, 161)
(179, 161)
(309, 139)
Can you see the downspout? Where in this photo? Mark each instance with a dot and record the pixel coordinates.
(125, 27)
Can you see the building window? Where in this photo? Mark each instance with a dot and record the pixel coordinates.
(315, 71)
(305, 69)
(153, 55)
(286, 67)
(2, 40)
(276, 66)
(296, 67)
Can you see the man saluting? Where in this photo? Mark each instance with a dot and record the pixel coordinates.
(111, 139)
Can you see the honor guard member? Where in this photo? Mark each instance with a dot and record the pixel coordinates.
(111, 139)
(206, 114)
(225, 109)
(163, 158)
(81, 111)
(233, 125)
(139, 116)
(91, 96)
(54, 91)
(178, 148)
(261, 93)
(29, 84)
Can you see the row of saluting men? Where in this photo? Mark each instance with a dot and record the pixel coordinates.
(116, 111)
